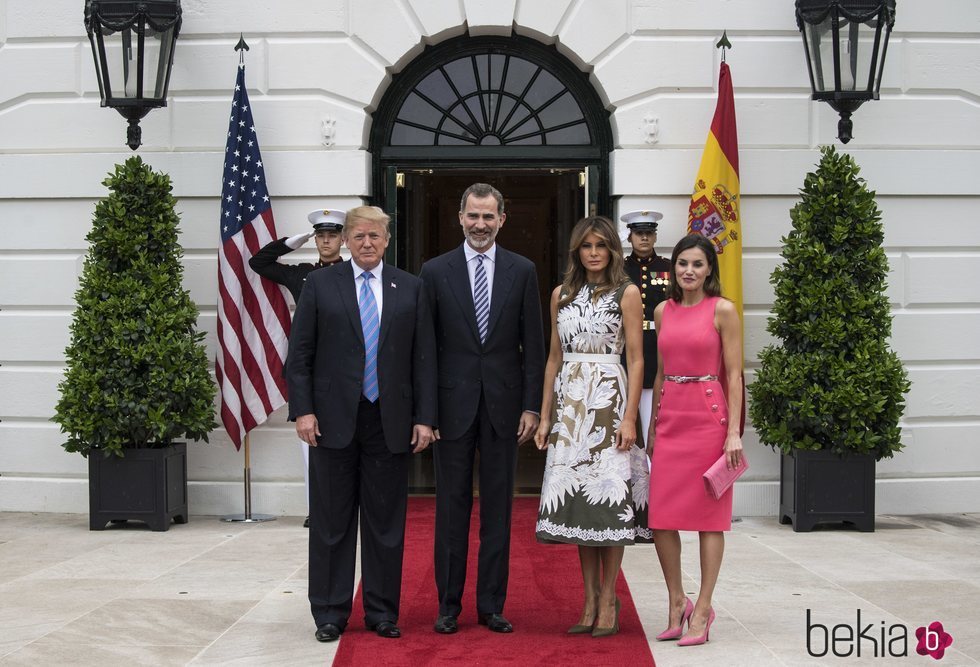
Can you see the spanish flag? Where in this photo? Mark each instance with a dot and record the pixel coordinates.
(714, 210)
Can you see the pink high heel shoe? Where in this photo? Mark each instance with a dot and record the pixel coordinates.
(679, 630)
(695, 641)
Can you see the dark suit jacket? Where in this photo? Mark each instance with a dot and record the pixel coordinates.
(509, 368)
(325, 367)
(292, 276)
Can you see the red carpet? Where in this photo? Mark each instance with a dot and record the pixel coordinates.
(544, 597)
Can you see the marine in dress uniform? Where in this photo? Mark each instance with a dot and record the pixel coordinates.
(327, 228)
(650, 272)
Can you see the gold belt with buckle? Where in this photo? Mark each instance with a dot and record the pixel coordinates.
(682, 379)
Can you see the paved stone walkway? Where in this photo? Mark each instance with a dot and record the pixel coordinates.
(209, 592)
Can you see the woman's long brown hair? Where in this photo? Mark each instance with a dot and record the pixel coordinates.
(615, 273)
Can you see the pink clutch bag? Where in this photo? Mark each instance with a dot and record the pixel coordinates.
(718, 478)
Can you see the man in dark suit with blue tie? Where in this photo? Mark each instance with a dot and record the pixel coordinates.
(362, 384)
(487, 315)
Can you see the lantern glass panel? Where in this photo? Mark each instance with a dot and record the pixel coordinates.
(122, 58)
(820, 49)
(857, 43)
(163, 43)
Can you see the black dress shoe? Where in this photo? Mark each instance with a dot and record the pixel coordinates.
(306, 522)
(388, 630)
(496, 623)
(446, 625)
(328, 632)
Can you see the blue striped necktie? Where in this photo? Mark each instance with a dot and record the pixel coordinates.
(481, 298)
(370, 323)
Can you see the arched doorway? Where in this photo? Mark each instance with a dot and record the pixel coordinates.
(508, 111)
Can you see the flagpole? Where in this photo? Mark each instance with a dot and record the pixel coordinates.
(243, 303)
(248, 517)
(724, 45)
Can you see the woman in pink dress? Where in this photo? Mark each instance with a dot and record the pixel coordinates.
(697, 404)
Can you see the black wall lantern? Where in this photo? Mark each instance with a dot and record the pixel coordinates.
(845, 43)
(133, 45)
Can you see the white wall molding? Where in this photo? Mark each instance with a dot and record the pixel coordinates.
(206, 499)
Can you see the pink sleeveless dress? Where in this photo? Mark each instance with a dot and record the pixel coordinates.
(692, 423)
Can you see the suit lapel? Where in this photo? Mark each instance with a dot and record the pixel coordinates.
(459, 284)
(348, 294)
(389, 292)
(503, 280)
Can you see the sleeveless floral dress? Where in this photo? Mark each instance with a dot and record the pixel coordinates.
(592, 494)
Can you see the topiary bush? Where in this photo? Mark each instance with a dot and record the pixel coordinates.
(832, 383)
(137, 372)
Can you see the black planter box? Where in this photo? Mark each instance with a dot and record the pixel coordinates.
(821, 487)
(147, 485)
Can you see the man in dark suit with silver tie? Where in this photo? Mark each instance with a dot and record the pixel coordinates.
(487, 315)
(362, 384)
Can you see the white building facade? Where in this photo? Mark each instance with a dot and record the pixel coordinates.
(319, 77)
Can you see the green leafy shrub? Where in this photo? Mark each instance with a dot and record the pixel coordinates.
(833, 383)
(137, 372)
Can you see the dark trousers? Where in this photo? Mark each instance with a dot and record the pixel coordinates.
(454, 503)
(364, 479)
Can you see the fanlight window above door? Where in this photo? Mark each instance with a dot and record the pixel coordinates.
(490, 99)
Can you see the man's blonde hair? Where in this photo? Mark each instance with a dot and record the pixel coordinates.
(368, 213)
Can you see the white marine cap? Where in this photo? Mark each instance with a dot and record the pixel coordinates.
(639, 221)
(329, 220)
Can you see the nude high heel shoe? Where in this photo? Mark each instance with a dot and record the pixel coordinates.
(581, 628)
(607, 632)
(679, 630)
(695, 641)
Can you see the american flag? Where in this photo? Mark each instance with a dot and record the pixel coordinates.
(253, 316)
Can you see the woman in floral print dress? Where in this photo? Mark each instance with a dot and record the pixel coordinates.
(595, 486)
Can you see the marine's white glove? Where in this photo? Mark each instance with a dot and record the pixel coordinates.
(293, 242)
